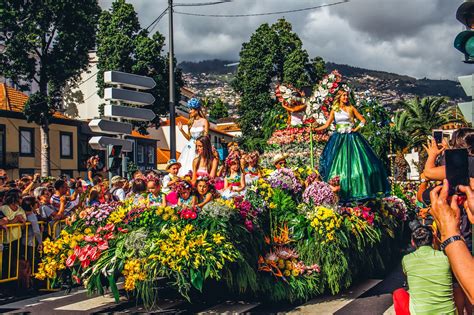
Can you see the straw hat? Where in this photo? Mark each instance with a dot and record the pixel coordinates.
(279, 157)
(171, 163)
(117, 179)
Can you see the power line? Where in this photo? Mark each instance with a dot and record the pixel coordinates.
(155, 21)
(261, 14)
(199, 4)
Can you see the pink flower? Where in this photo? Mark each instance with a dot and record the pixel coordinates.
(121, 230)
(103, 245)
(84, 253)
(70, 260)
(77, 279)
(85, 263)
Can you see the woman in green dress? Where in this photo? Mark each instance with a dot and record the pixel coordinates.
(349, 156)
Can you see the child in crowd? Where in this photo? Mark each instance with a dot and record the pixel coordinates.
(94, 198)
(234, 182)
(155, 196)
(203, 192)
(186, 199)
(252, 171)
(169, 180)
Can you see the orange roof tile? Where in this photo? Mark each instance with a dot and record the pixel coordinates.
(164, 155)
(13, 100)
(136, 134)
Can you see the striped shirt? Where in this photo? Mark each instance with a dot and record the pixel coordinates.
(430, 281)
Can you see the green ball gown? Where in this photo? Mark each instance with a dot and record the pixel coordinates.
(349, 156)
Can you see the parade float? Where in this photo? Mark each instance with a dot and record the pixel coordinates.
(287, 239)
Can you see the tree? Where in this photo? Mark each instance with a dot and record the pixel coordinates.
(123, 46)
(274, 53)
(218, 109)
(420, 116)
(46, 42)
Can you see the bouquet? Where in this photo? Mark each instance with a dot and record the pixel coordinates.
(285, 179)
(319, 193)
(396, 207)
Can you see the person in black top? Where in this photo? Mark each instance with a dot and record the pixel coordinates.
(92, 169)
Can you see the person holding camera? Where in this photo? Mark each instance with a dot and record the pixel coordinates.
(429, 279)
(447, 215)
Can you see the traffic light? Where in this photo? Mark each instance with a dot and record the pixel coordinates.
(464, 42)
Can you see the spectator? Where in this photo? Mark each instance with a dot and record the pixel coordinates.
(30, 205)
(94, 198)
(155, 196)
(46, 210)
(447, 218)
(429, 279)
(92, 169)
(14, 214)
(117, 191)
(138, 190)
(59, 200)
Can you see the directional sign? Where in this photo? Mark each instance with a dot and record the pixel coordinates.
(101, 143)
(129, 80)
(466, 83)
(131, 113)
(128, 96)
(467, 111)
(110, 127)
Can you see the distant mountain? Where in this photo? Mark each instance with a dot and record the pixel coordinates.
(389, 87)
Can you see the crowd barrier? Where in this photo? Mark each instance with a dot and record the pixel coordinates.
(18, 247)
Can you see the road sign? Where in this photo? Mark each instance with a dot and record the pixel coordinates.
(124, 79)
(132, 113)
(466, 83)
(110, 127)
(128, 96)
(101, 143)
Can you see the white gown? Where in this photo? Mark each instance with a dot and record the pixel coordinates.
(188, 153)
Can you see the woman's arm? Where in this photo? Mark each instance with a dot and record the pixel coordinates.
(187, 135)
(193, 201)
(328, 122)
(432, 171)
(213, 172)
(195, 167)
(294, 109)
(226, 183)
(89, 176)
(206, 127)
(360, 118)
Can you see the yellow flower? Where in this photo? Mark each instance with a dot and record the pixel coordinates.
(217, 238)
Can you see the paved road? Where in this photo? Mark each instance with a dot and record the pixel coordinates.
(372, 296)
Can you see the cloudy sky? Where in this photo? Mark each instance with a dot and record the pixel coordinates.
(413, 37)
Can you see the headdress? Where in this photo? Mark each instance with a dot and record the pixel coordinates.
(194, 103)
(279, 157)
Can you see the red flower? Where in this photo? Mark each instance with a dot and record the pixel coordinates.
(95, 254)
(70, 260)
(85, 263)
(77, 279)
(84, 253)
(103, 245)
(109, 236)
(121, 230)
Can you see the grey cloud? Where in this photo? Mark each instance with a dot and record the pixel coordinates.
(411, 37)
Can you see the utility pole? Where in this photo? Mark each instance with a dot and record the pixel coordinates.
(171, 85)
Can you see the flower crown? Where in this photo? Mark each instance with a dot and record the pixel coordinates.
(194, 103)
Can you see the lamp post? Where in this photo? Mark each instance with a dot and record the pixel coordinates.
(171, 84)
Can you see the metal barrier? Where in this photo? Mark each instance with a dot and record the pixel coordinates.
(16, 235)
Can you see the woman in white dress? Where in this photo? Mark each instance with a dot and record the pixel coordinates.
(198, 126)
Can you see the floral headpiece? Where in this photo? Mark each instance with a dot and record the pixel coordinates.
(194, 103)
(182, 186)
(231, 159)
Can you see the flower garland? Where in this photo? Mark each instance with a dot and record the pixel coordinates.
(285, 179)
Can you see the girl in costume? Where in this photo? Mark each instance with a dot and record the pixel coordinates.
(186, 199)
(198, 126)
(205, 164)
(252, 171)
(234, 182)
(155, 196)
(349, 156)
(203, 192)
(169, 180)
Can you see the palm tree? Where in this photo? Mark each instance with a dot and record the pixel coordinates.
(419, 117)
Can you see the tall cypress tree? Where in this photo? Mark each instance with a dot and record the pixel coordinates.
(274, 53)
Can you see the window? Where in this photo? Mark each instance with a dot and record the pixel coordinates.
(150, 154)
(140, 154)
(27, 142)
(3, 140)
(65, 142)
(26, 172)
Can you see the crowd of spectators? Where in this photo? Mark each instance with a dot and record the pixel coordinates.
(440, 271)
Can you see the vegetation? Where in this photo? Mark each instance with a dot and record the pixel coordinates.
(274, 53)
(124, 46)
(218, 110)
(46, 43)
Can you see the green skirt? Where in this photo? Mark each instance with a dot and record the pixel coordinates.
(362, 175)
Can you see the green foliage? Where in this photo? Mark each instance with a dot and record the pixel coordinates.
(218, 110)
(47, 43)
(420, 116)
(273, 53)
(123, 46)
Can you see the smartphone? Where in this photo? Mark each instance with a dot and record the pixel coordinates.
(438, 136)
(457, 169)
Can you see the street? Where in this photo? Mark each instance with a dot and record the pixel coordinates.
(372, 296)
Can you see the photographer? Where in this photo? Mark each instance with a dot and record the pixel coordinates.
(429, 279)
(447, 218)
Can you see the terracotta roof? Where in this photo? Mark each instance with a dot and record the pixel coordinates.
(136, 134)
(13, 100)
(229, 127)
(164, 155)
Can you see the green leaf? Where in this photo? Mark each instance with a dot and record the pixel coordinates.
(113, 287)
(197, 279)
